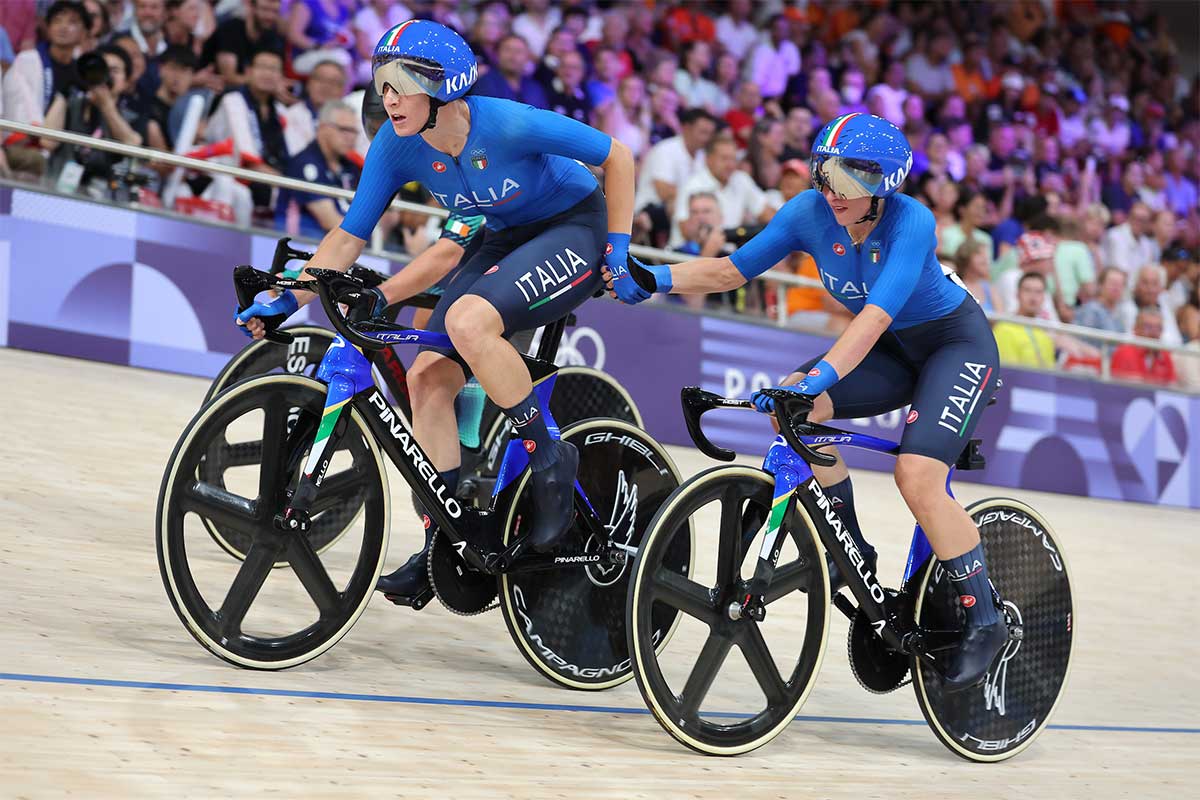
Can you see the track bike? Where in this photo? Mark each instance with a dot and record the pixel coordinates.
(564, 609)
(581, 392)
(896, 635)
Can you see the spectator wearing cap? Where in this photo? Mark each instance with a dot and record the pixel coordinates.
(176, 68)
(1109, 132)
(1132, 362)
(695, 90)
(324, 161)
(1104, 312)
(741, 201)
(325, 83)
(1035, 254)
(1022, 345)
(38, 75)
(237, 39)
(372, 21)
(1149, 290)
(969, 212)
(535, 23)
(510, 78)
(1180, 190)
(798, 130)
(565, 94)
(669, 164)
(775, 59)
(735, 29)
(1130, 245)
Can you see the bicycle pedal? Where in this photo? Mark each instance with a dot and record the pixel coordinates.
(415, 602)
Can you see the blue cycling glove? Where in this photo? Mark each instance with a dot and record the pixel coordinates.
(633, 281)
(381, 302)
(283, 307)
(819, 378)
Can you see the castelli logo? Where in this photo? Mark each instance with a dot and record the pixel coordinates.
(968, 600)
(496, 268)
(837, 247)
(814, 372)
(608, 249)
(530, 445)
(438, 166)
(912, 416)
(426, 521)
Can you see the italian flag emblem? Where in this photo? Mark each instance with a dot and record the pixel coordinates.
(458, 227)
(875, 253)
(479, 159)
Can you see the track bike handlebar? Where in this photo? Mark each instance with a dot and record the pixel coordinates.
(791, 412)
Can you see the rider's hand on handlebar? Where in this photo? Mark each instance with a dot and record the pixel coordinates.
(251, 320)
(819, 378)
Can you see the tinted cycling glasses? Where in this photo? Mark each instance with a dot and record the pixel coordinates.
(847, 178)
(407, 75)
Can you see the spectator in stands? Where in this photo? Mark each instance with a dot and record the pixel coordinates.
(1130, 245)
(1110, 131)
(1183, 272)
(602, 87)
(928, 69)
(1133, 362)
(1163, 231)
(236, 39)
(251, 117)
(1074, 267)
(664, 115)
(798, 130)
(972, 263)
(695, 90)
(670, 163)
(147, 27)
(176, 67)
(565, 94)
(627, 119)
(741, 201)
(510, 78)
(38, 75)
(373, 20)
(491, 25)
(20, 21)
(319, 30)
(1022, 345)
(1095, 219)
(891, 94)
(614, 34)
(326, 83)
(746, 109)
(703, 235)
(1149, 291)
(1036, 254)
(686, 23)
(1103, 313)
(764, 151)
(969, 80)
(1180, 190)
(775, 59)
(536, 23)
(1188, 317)
(735, 30)
(969, 213)
(561, 42)
(100, 28)
(325, 162)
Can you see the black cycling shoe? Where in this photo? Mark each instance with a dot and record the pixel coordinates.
(554, 488)
(836, 580)
(978, 649)
(411, 581)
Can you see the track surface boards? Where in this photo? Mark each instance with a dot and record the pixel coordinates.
(429, 704)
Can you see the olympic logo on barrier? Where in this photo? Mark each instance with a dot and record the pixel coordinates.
(570, 353)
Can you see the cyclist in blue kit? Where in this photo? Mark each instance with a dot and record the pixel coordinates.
(917, 337)
(548, 228)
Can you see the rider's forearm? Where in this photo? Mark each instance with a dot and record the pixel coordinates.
(857, 340)
(705, 276)
(618, 187)
(338, 250)
(422, 272)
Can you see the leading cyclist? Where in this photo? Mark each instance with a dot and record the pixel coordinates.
(548, 225)
(917, 337)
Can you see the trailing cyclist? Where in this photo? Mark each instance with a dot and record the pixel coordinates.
(917, 337)
(548, 226)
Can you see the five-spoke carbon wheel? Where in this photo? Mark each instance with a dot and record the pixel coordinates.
(707, 700)
(1003, 716)
(247, 612)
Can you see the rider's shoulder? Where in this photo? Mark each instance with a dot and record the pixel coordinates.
(912, 210)
(807, 207)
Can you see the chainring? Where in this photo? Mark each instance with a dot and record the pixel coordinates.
(877, 668)
(459, 588)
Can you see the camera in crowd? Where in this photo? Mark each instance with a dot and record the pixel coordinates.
(92, 70)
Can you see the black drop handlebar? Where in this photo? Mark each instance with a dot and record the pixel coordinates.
(791, 412)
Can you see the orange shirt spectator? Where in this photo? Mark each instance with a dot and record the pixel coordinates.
(969, 83)
(686, 24)
(804, 298)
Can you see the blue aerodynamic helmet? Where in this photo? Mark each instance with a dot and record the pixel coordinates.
(860, 155)
(424, 57)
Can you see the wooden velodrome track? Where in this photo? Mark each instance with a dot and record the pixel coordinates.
(105, 695)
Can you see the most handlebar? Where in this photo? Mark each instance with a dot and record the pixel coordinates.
(791, 412)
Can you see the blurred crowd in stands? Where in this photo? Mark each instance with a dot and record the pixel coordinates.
(1057, 142)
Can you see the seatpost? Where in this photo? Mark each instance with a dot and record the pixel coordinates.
(551, 337)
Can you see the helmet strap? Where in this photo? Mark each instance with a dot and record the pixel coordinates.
(872, 212)
(434, 105)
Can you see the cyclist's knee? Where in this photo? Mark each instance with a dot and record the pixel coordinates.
(921, 480)
(434, 378)
(471, 320)
(822, 410)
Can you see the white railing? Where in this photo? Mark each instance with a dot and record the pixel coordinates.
(781, 279)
